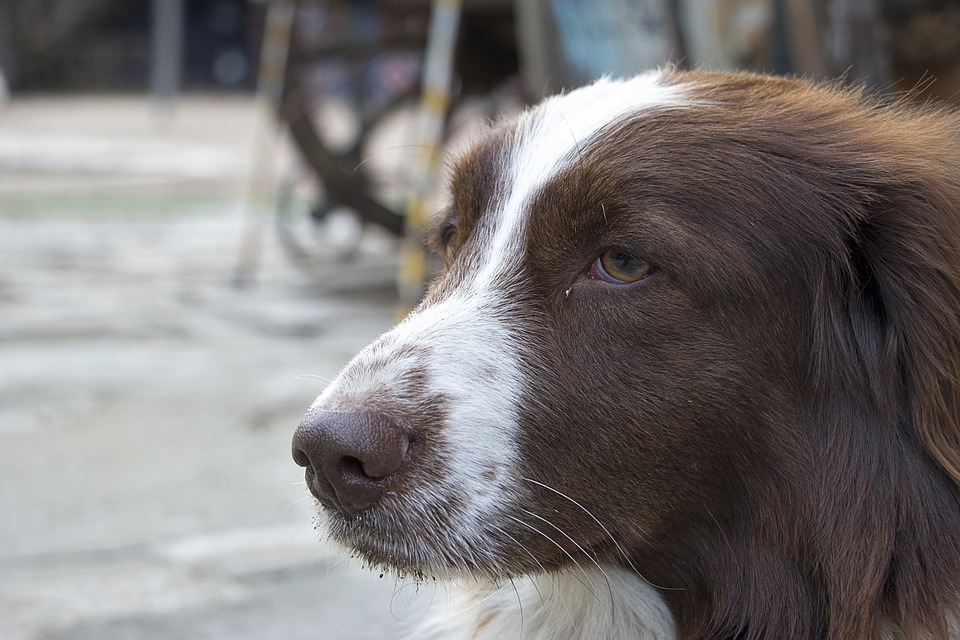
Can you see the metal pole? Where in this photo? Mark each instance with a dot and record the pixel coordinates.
(167, 55)
(434, 103)
(533, 47)
(274, 56)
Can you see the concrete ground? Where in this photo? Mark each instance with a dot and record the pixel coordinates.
(146, 405)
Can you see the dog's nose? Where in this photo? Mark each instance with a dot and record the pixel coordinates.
(350, 456)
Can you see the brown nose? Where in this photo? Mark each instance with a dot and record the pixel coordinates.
(350, 456)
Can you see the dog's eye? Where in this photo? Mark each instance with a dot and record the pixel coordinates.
(619, 267)
(440, 238)
(447, 233)
(446, 239)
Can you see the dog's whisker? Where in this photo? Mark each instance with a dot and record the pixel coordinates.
(579, 547)
(726, 539)
(399, 147)
(582, 508)
(532, 556)
(606, 531)
(492, 592)
(565, 552)
(295, 502)
(402, 584)
(576, 143)
(520, 607)
(521, 546)
(314, 379)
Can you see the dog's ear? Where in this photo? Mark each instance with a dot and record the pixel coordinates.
(888, 310)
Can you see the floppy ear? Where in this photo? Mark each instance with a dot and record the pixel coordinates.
(889, 309)
(914, 257)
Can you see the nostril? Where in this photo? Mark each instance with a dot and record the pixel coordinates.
(352, 466)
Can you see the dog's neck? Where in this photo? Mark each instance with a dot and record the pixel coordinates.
(576, 604)
(865, 572)
(613, 603)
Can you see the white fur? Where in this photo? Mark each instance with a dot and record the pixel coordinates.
(613, 605)
(549, 137)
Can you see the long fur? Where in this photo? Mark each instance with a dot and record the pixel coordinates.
(766, 426)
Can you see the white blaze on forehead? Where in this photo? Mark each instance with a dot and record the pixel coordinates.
(549, 137)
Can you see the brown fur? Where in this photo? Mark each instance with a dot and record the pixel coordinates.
(768, 423)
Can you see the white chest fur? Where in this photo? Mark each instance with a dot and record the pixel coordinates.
(615, 604)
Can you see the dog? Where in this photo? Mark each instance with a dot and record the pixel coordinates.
(690, 369)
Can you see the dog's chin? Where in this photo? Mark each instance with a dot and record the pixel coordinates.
(383, 555)
(395, 548)
(383, 543)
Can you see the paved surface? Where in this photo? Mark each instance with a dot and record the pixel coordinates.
(146, 406)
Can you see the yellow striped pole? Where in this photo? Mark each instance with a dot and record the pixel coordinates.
(434, 103)
(273, 66)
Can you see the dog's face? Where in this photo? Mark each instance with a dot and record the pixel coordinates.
(576, 379)
(649, 287)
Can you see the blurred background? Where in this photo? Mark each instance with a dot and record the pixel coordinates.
(207, 206)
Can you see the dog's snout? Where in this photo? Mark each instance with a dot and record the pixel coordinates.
(351, 457)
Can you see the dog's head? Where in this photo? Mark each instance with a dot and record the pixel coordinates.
(705, 326)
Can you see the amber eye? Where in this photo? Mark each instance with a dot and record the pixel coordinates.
(619, 267)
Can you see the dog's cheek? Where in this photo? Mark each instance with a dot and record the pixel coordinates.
(627, 419)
